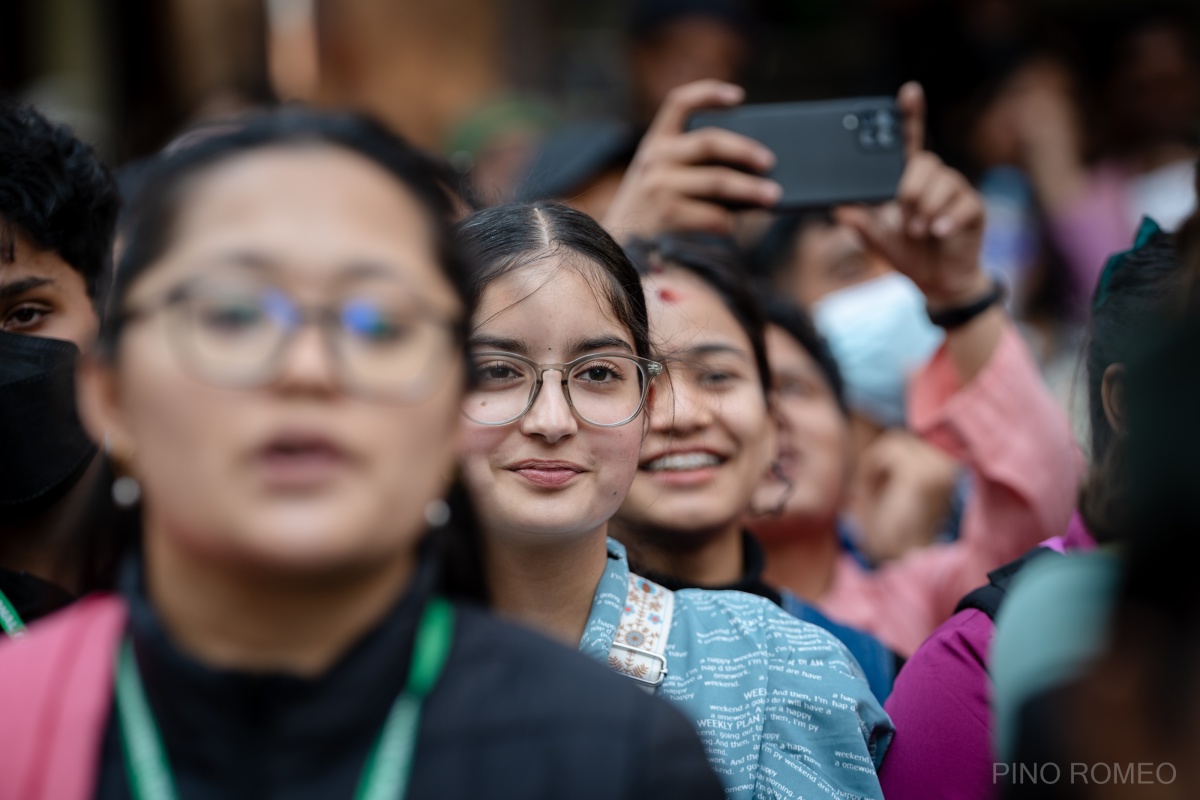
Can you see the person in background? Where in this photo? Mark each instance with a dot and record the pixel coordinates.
(1151, 101)
(981, 375)
(727, 408)
(902, 492)
(494, 145)
(281, 380)
(1143, 668)
(58, 209)
(946, 688)
(677, 42)
(1053, 620)
(781, 706)
(672, 43)
(1018, 246)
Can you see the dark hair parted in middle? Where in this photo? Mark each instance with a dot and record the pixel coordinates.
(721, 267)
(499, 240)
(160, 187)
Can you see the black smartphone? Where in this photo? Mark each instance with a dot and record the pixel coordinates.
(827, 152)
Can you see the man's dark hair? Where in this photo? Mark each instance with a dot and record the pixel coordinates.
(647, 18)
(55, 190)
(771, 258)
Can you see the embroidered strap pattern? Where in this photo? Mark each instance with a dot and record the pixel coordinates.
(641, 639)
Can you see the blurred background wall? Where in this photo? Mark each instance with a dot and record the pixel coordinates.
(130, 73)
(1072, 117)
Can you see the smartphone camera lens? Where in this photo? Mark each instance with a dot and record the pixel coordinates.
(877, 130)
(885, 126)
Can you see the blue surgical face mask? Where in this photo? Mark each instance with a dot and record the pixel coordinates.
(880, 334)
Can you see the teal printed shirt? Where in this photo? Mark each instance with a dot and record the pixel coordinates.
(783, 709)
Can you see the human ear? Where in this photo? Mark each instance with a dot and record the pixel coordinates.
(98, 402)
(1112, 396)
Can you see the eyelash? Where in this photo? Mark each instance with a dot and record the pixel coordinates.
(613, 370)
(717, 379)
(41, 309)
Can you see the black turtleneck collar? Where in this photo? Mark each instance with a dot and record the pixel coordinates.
(753, 563)
(230, 733)
(32, 597)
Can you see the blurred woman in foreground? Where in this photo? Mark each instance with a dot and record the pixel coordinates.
(285, 628)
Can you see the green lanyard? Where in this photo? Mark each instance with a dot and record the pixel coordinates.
(10, 620)
(389, 764)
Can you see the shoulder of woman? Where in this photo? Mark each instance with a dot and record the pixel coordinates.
(58, 679)
(493, 657)
(760, 621)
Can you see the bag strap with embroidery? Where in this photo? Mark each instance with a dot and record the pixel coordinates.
(639, 648)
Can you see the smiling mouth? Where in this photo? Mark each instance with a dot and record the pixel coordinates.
(682, 462)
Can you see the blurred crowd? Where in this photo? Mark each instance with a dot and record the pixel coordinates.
(381, 424)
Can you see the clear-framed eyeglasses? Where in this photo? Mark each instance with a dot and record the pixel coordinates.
(603, 389)
(385, 344)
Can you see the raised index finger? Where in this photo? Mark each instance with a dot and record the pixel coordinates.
(911, 100)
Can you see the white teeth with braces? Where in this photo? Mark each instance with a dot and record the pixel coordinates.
(681, 462)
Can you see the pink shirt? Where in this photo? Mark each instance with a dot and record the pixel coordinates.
(1008, 430)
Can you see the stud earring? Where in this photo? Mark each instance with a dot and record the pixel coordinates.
(126, 491)
(437, 513)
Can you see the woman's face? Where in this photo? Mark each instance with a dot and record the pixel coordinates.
(711, 437)
(300, 473)
(814, 435)
(549, 474)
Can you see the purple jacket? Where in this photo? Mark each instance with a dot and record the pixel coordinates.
(940, 706)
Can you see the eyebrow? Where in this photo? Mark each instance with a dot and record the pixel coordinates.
(580, 346)
(20, 287)
(367, 269)
(577, 347)
(710, 350)
(244, 258)
(259, 262)
(498, 343)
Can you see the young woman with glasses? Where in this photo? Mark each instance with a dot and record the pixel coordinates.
(562, 369)
(281, 382)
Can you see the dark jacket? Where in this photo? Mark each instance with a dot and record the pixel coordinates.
(513, 715)
(32, 597)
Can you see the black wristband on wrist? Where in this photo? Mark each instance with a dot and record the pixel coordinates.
(950, 318)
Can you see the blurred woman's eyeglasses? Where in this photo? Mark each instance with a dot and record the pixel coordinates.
(235, 333)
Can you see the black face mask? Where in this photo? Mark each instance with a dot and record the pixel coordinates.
(43, 448)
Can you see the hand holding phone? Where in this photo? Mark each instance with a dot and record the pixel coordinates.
(933, 230)
(688, 180)
(828, 152)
